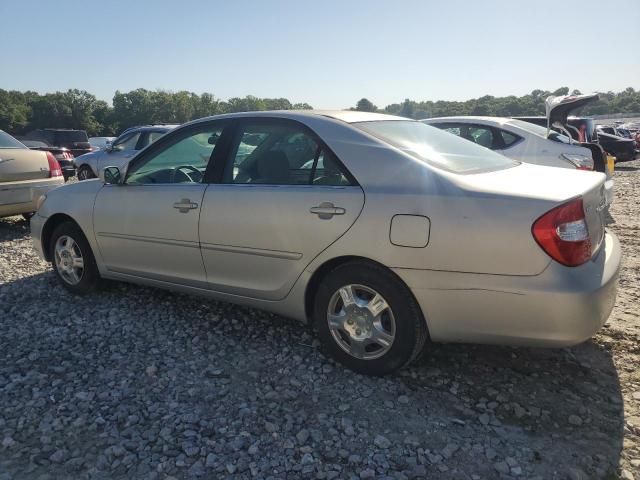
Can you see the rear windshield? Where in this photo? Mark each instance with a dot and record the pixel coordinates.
(7, 141)
(435, 146)
(70, 137)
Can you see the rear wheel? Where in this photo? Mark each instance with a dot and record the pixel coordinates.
(72, 259)
(85, 173)
(367, 319)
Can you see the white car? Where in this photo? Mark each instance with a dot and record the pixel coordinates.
(100, 143)
(120, 151)
(522, 141)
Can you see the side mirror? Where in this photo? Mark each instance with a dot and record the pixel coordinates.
(111, 175)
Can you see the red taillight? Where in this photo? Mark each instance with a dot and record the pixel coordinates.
(563, 234)
(54, 166)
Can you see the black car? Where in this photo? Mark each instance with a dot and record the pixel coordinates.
(63, 156)
(76, 141)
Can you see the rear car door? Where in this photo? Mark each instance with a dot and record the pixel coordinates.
(148, 225)
(281, 198)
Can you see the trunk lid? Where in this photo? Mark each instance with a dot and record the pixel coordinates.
(558, 108)
(17, 164)
(537, 189)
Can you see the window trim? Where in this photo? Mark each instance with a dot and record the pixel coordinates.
(240, 123)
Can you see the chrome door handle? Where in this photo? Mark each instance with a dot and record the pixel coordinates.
(327, 210)
(185, 205)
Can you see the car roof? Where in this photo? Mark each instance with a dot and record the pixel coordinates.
(347, 116)
(495, 121)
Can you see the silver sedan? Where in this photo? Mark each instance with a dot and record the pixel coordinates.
(382, 232)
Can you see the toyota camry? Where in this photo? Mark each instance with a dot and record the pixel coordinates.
(380, 231)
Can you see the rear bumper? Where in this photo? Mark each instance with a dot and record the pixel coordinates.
(562, 306)
(21, 197)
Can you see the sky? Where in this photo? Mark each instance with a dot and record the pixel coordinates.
(328, 53)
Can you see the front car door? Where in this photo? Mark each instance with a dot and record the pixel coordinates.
(281, 198)
(148, 225)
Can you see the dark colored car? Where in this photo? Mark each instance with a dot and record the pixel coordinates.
(76, 141)
(618, 141)
(62, 155)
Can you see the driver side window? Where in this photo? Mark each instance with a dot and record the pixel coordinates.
(127, 143)
(183, 161)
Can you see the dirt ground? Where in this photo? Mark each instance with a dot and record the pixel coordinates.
(135, 382)
(621, 336)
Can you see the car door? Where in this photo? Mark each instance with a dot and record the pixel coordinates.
(282, 197)
(147, 226)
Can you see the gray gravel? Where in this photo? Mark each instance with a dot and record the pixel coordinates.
(133, 382)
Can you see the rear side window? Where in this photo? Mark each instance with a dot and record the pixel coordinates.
(508, 138)
(281, 154)
(436, 147)
(7, 141)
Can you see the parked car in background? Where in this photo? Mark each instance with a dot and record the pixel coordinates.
(621, 147)
(75, 140)
(454, 243)
(63, 156)
(25, 175)
(100, 143)
(120, 151)
(522, 141)
(583, 130)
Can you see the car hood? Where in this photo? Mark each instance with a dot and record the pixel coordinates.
(559, 108)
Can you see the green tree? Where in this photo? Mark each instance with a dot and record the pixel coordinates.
(364, 105)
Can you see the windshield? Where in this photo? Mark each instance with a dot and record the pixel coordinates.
(540, 131)
(435, 146)
(7, 141)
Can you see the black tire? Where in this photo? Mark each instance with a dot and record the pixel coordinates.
(90, 277)
(85, 173)
(410, 327)
(27, 216)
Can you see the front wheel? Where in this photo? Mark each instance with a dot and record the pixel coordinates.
(367, 319)
(72, 259)
(85, 173)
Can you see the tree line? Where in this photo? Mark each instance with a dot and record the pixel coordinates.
(21, 112)
(627, 101)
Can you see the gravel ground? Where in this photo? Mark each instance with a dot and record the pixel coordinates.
(133, 382)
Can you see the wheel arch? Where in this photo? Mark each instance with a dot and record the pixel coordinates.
(47, 230)
(329, 265)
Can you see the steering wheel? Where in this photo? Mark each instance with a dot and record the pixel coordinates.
(189, 178)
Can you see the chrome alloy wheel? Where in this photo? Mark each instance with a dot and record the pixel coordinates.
(361, 322)
(68, 260)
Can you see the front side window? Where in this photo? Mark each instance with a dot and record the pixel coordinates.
(129, 142)
(183, 161)
(436, 147)
(474, 133)
(281, 154)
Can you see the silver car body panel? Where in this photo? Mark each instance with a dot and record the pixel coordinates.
(480, 275)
